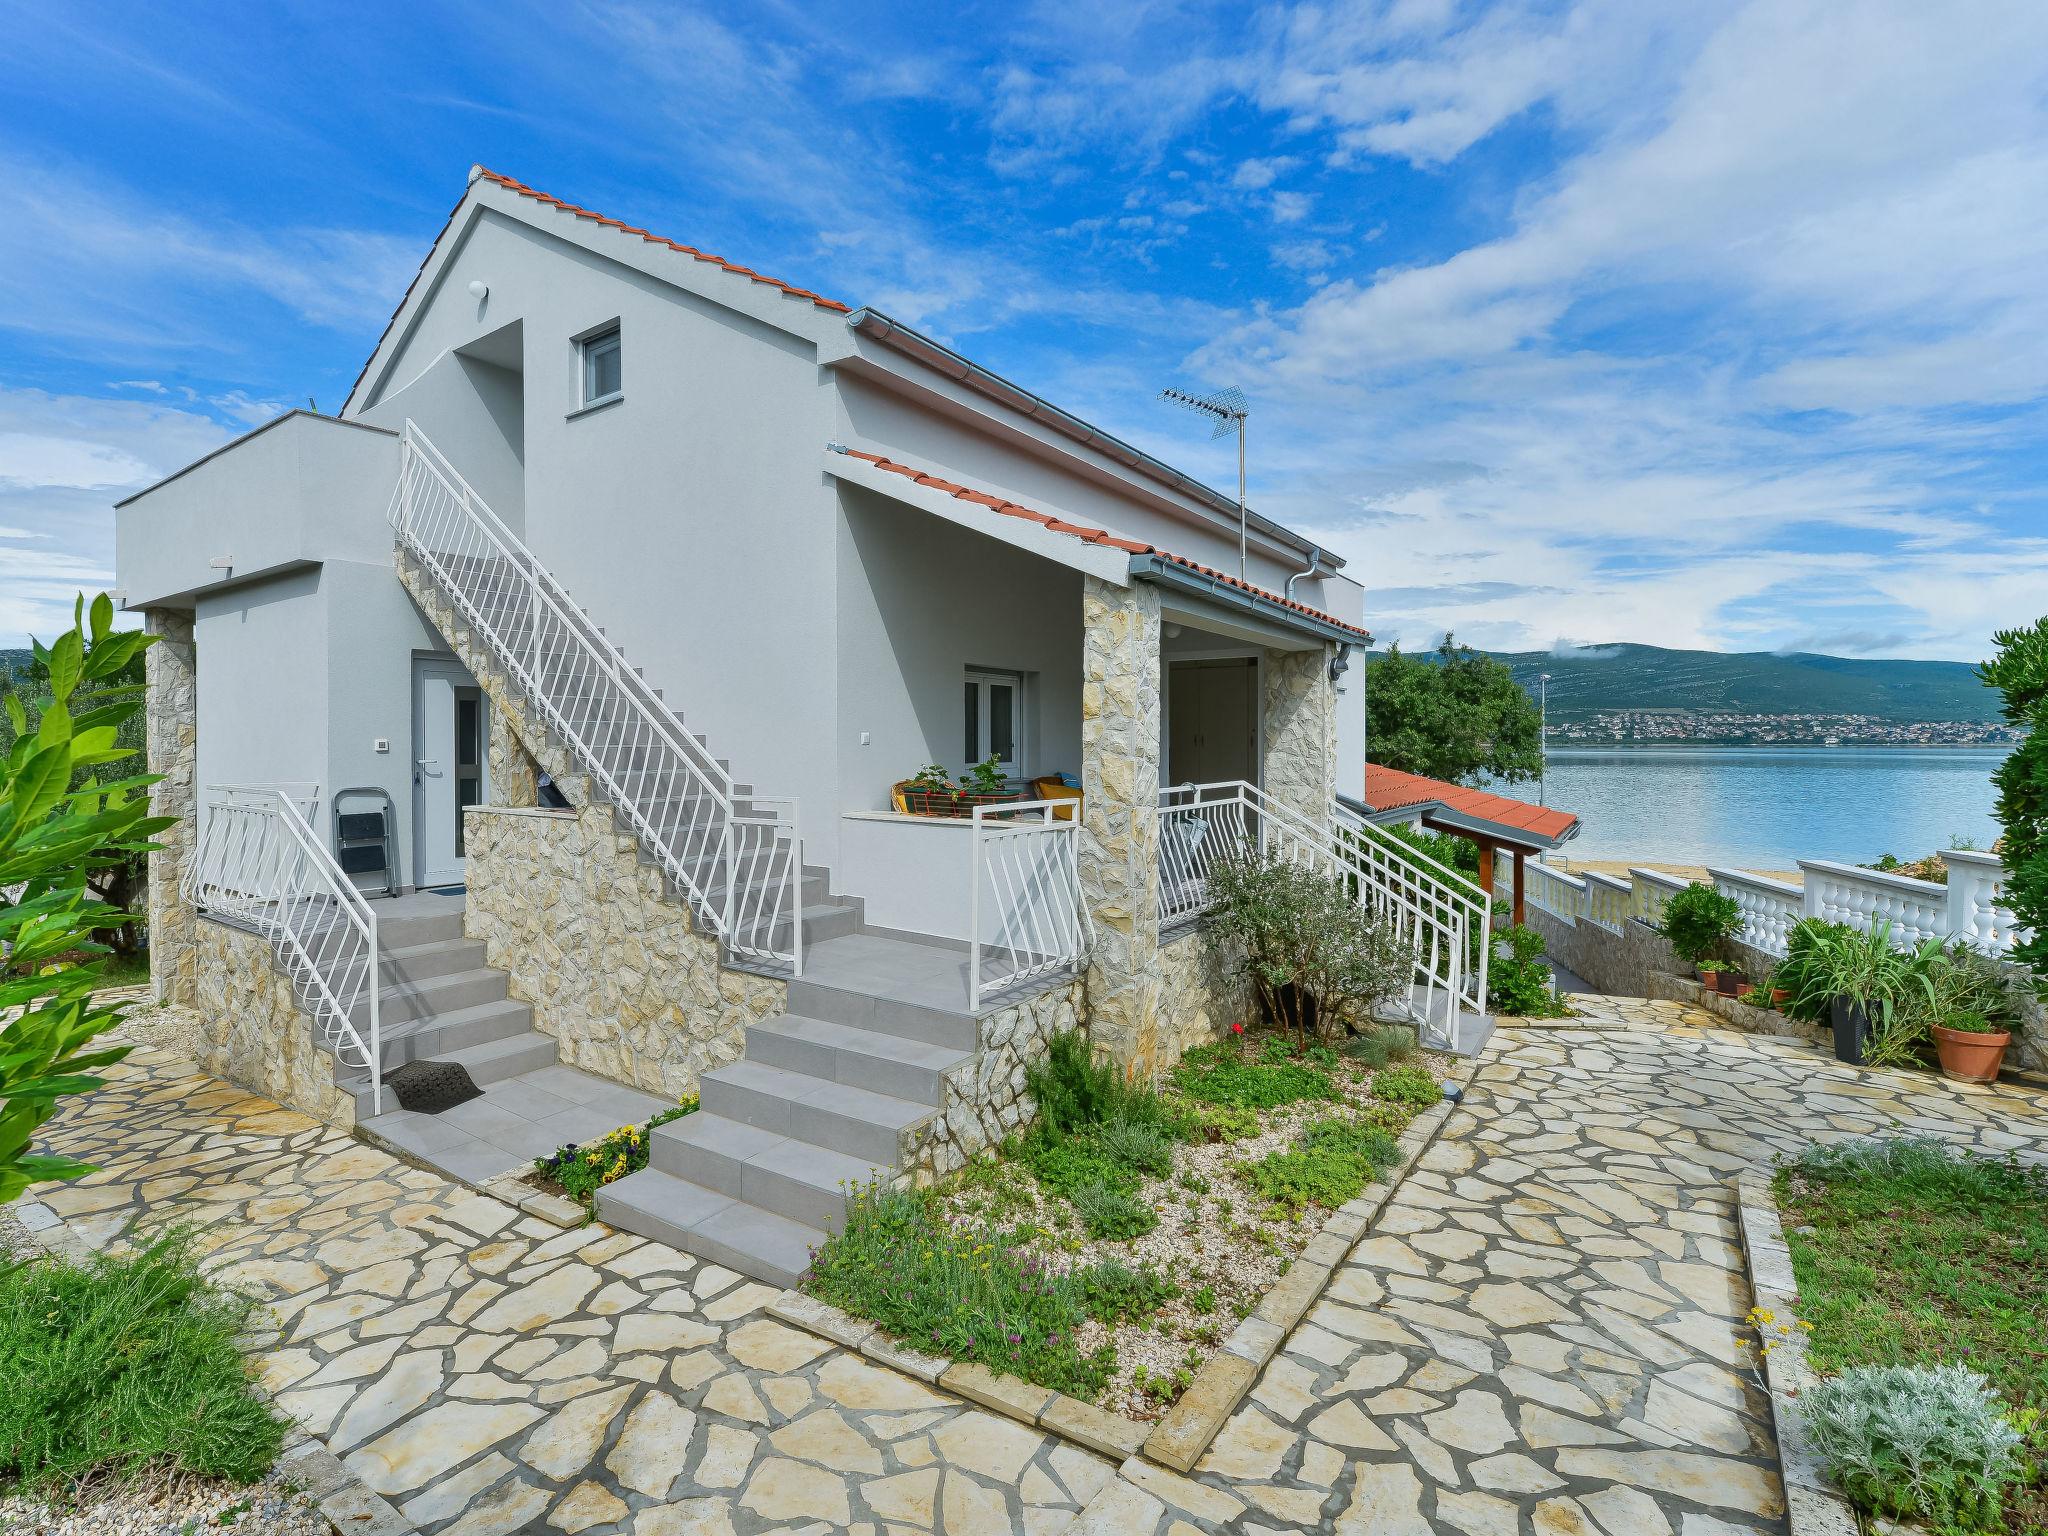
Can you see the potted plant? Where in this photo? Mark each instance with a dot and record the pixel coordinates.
(1859, 976)
(928, 792)
(1697, 921)
(1971, 1048)
(985, 784)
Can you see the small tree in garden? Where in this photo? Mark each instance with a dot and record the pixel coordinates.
(2020, 672)
(1316, 960)
(60, 825)
(1698, 919)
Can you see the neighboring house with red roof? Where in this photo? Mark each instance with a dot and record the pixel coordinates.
(621, 597)
(1495, 823)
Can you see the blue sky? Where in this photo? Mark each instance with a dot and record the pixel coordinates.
(1717, 325)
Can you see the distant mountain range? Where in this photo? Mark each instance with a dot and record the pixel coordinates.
(1608, 678)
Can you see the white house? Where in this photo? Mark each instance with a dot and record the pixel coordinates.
(727, 560)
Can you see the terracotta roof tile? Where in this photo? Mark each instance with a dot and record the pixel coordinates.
(1388, 789)
(688, 250)
(1089, 535)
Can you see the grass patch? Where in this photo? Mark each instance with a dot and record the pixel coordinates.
(976, 1296)
(123, 1364)
(1918, 1255)
(579, 1172)
(1336, 1158)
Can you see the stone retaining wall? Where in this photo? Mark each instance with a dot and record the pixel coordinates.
(1197, 1001)
(170, 715)
(612, 965)
(1622, 964)
(253, 1032)
(984, 1097)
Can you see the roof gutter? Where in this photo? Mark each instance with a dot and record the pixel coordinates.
(936, 355)
(1168, 572)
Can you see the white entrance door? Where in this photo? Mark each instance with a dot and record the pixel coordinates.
(1212, 721)
(448, 766)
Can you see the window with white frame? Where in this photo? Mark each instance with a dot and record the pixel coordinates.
(602, 379)
(995, 719)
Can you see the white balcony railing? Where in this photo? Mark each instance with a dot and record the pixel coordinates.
(1027, 920)
(1769, 907)
(258, 863)
(1439, 914)
(738, 859)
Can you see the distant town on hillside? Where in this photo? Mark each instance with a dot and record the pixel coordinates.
(1645, 694)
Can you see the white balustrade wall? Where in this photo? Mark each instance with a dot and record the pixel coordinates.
(1968, 909)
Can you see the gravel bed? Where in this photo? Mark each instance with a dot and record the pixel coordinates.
(166, 1507)
(160, 1026)
(1220, 1237)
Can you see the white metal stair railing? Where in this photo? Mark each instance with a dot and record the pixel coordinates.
(1026, 917)
(258, 863)
(738, 859)
(1442, 916)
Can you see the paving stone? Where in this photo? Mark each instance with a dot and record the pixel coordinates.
(651, 1449)
(789, 1490)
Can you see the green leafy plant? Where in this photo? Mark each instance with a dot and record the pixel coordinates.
(1218, 1074)
(931, 778)
(985, 778)
(60, 822)
(2020, 673)
(1412, 1085)
(968, 1295)
(1109, 1213)
(125, 1363)
(1915, 1440)
(1316, 960)
(1113, 1292)
(1335, 1159)
(1518, 980)
(1698, 920)
(1458, 853)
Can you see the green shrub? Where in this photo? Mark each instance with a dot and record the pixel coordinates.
(1139, 1145)
(2020, 673)
(964, 1295)
(123, 1363)
(1218, 1074)
(1380, 1044)
(1112, 1292)
(1112, 1214)
(1407, 1085)
(1315, 958)
(1518, 982)
(583, 1170)
(1072, 1089)
(1063, 1164)
(1912, 1440)
(1335, 1159)
(1698, 919)
(1225, 1122)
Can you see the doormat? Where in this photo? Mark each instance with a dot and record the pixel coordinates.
(447, 890)
(428, 1087)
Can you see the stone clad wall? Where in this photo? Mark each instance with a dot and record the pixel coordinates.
(984, 1097)
(251, 1029)
(1198, 1000)
(1119, 854)
(612, 965)
(171, 723)
(1300, 766)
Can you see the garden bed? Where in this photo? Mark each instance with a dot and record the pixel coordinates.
(577, 1173)
(1910, 1254)
(1109, 1253)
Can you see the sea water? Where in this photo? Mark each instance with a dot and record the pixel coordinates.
(1768, 807)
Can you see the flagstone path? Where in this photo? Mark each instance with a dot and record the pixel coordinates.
(1540, 1335)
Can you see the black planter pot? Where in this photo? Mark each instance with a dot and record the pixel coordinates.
(1852, 1029)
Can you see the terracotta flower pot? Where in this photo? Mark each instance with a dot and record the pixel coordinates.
(1730, 983)
(1706, 977)
(1969, 1056)
(1780, 997)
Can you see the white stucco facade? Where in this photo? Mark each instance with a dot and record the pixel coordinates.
(812, 618)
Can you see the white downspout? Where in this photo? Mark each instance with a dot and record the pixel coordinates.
(1315, 563)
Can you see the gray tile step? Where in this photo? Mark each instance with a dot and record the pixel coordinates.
(954, 1029)
(490, 1061)
(426, 928)
(785, 1177)
(424, 961)
(426, 1039)
(855, 1057)
(826, 1114)
(396, 1004)
(742, 1237)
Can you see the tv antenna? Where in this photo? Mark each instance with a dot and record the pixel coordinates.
(1227, 408)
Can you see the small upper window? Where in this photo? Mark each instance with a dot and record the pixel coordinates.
(601, 377)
